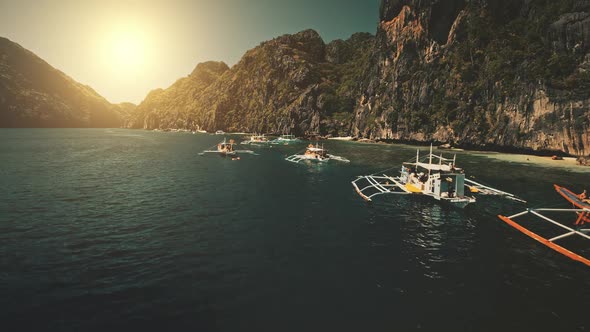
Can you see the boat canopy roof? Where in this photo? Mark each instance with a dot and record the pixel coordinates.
(433, 162)
(434, 167)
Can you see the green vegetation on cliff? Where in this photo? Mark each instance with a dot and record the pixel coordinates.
(293, 83)
(503, 73)
(510, 73)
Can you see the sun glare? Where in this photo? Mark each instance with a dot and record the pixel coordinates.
(126, 51)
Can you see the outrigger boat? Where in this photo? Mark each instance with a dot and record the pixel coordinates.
(286, 140)
(315, 153)
(227, 149)
(581, 227)
(433, 176)
(256, 140)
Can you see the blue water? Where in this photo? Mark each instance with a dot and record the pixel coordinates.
(133, 230)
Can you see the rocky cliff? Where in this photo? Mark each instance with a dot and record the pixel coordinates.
(501, 74)
(496, 73)
(34, 94)
(293, 83)
(176, 107)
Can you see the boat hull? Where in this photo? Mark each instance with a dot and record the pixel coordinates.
(544, 241)
(460, 202)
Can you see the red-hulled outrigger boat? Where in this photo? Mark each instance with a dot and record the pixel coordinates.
(581, 228)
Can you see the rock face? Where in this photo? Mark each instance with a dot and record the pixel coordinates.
(293, 83)
(502, 74)
(174, 107)
(497, 73)
(34, 94)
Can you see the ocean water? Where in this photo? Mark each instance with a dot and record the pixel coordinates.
(112, 229)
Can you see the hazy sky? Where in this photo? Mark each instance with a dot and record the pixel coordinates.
(124, 49)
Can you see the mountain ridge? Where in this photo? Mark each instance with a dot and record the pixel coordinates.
(504, 74)
(35, 94)
(280, 86)
(488, 74)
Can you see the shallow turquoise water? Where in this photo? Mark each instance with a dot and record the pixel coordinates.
(124, 229)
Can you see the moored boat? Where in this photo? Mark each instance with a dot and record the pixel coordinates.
(580, 228)
(315, 153)
(227, 148)
(256, 140)
(433, 176)
(286, 140)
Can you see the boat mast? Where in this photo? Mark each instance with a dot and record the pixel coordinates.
(430, 160)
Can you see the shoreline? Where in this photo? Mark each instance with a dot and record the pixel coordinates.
(490, 148)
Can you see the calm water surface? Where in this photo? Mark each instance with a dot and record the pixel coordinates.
(133, 230)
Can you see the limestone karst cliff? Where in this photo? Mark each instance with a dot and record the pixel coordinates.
(293, 83)
(497, 73)
(176, 107)
(482, 73)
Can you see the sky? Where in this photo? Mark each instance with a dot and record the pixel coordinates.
(124, 49)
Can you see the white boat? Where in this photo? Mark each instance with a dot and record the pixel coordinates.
(201, 131)
(256, 140)
(226, 148)
(433, 176)
(315, 153)
(220, 132)
(286, 140)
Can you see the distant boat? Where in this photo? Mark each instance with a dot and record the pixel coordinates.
(226, 148)
(201, 131)
(256, 140)
(315, 153)
(286, 140)
(220, 132)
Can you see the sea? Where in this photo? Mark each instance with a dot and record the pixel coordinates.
(132, 230)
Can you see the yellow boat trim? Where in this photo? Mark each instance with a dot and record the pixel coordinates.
(413, 188)
(473, 189)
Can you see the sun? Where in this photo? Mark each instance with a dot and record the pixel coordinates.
(125, 53)
(126, 50)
